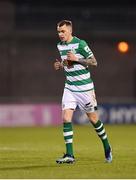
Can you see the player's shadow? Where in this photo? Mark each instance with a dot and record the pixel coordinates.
(26, 167)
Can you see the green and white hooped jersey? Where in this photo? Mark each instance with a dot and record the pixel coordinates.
(77, 76)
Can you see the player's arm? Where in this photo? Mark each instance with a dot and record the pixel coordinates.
(91, 61)
(58, 65)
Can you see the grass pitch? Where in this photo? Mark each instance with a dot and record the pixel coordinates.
(27, 153)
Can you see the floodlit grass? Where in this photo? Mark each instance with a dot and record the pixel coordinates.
(31, 153)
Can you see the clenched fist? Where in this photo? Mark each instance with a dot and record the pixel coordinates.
(57, 65)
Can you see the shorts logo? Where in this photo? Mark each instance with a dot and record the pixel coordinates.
(89, 107)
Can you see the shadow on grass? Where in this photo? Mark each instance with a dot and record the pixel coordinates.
(26, 167)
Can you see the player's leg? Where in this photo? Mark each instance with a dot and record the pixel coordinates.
(100, 130)
(88, 103)
(68, 130)
(68, 107)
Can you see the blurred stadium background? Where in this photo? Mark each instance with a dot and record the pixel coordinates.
(30, 91)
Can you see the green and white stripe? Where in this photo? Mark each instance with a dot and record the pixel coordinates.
(77, 77)
(68, 136)
(101, 131)
(68, 46)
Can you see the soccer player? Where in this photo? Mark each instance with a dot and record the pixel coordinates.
(76, 56)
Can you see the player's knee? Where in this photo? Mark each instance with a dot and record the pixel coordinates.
(93, 117)
(66, 118)
(67, 115)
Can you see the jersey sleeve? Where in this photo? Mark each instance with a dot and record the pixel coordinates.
(85, 50)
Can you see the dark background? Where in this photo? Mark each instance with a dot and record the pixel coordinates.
(28, 41)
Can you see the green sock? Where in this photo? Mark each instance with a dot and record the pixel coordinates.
(99, 128)
(68, 137)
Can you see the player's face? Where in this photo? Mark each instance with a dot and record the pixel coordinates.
(65, 33)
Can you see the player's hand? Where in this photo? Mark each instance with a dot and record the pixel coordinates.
(71, 56)
(57, 65)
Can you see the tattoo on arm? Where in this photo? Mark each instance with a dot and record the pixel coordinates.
(87, 62)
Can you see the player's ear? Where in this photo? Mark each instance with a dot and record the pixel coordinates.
(70, 29)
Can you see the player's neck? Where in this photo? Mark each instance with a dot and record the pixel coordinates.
(69, 39)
